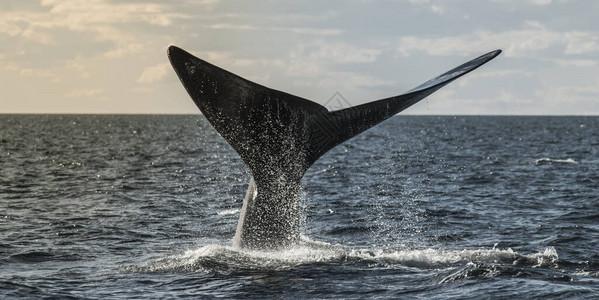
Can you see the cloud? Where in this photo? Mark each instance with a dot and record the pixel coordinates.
(315, 67)
(351, 81)
(534, 2)
(84, 93)
(141, 89)
(315, 31)
(15, 25)
(579, 63)
(580, 42)
(297, 30)
(80, 13)
(124, 50)
(102, 18)
(154, 73)
(9, 24)
(329, 66)
(516, 43)
(233, 26)
(467, 80)
(78, 66)
(41, 73)
(38, 37)
(571, 95)
(344, 53)
(541, 99)
(437, 9)
(448, 101)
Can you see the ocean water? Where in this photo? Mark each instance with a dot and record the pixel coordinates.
(427, 207)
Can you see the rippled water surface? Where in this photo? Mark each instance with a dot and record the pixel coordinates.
(417, 207)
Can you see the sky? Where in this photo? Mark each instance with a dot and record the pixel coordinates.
(109, 56)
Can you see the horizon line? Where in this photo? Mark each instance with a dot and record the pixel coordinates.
(200, 114)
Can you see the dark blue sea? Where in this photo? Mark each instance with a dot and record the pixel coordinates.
(418, 207)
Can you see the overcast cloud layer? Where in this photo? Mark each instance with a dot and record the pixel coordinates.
(103, 56)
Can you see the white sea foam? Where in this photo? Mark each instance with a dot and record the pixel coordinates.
(214, 257)
(547, 160)
(228, 212)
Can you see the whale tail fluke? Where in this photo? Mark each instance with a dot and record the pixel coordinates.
(279, 136)
(265, 126)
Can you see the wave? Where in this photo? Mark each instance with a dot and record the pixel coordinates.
(219, 258)
(228, 212)
(541, 265)
(546, 160)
